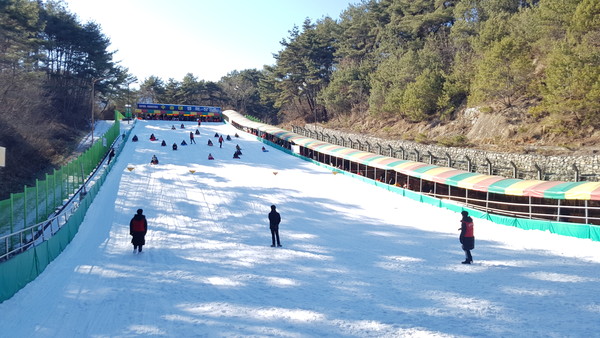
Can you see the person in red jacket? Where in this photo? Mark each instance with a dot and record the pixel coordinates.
(467, 238)
(138, 226)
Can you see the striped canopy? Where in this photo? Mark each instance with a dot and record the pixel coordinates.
(444, 175)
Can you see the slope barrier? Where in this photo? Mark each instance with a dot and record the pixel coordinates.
(583, 231)
(23, 268)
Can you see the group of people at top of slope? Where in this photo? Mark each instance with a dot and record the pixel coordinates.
(236, 154)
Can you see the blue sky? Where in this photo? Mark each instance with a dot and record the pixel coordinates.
(170, 38)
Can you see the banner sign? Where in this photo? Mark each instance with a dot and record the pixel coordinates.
(178, 108)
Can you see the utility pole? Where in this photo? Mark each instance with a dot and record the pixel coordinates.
(128, 112)
(129, 80)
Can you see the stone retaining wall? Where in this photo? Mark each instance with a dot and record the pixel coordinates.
(550, 168)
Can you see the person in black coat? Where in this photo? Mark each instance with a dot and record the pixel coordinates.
(138, 226)
(111, 155)
(274, 220)
(467, 238)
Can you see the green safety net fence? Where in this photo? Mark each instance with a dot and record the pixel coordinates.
(23, 268)
(16, 272)
(36, 203)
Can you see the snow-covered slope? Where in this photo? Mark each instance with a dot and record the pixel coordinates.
(356, 260)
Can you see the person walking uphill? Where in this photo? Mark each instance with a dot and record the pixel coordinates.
(274, 220)
(138, 226)
(467, 238)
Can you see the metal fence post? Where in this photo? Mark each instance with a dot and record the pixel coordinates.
(24, 206)
(37, 200)
(514, 166)
(12, 213)
(539, 171)
(46, 212)
(577, 174)
(469, 164)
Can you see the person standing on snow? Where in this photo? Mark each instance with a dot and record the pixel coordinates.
(467, 238)
(111, 155)
(192, 138)
(274, 220)
(221, 141)
(138, 226)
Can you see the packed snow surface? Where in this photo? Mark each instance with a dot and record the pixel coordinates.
(356, 261)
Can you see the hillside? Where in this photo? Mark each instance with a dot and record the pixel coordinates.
(30, 154)
(532, 69)
(509, 130)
